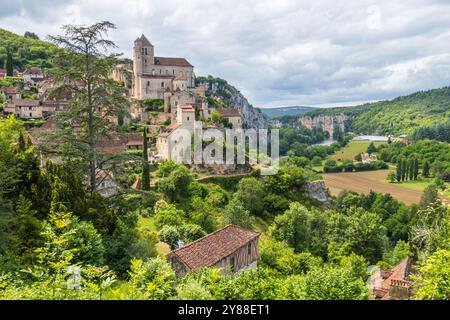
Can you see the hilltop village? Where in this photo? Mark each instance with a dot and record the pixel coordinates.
(163, 94)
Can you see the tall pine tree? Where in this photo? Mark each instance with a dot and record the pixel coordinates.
(83, 70)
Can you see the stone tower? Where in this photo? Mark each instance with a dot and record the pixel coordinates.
(143, 56)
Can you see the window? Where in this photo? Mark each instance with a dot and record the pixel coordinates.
(31, 114)
(232, 264)
(162, 84)
(148, 83)
(30, 108)
(187, 118)
(249, 249)
(145, 50)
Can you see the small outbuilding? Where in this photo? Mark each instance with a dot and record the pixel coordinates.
(231, 249)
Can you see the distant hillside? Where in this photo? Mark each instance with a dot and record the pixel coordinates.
(286, 111)
(27, 52)
(402, 115)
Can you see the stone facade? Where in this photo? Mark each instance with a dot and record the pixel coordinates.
(152, 75)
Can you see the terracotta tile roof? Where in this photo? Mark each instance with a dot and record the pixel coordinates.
(119, 144)
(397, 276)
(214, 247)
(228, 113)
(25, 102)
(10, 90)
(187, 108)
(33, 71)
(168, 130)
(172, 62)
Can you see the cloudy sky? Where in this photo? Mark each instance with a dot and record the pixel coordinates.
(277, 52)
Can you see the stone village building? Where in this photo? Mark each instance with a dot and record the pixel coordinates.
(231, 249)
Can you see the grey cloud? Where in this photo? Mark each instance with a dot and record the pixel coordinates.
(280, 52)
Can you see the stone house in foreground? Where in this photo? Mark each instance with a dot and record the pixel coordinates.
(394, 283)
(231, 249)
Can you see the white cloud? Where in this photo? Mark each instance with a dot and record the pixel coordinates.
(284, 52)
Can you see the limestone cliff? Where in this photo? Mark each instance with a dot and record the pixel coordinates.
(222, 94)
(327, 122)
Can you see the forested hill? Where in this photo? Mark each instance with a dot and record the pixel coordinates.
(286, 111)
(27, 51)
(402, 115)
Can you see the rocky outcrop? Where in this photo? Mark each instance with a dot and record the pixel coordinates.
(231, 97)
(317, 190)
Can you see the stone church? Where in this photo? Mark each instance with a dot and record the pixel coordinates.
(153, 76)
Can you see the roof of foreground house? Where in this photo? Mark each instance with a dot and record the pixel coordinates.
(397, 276)
(209, 250)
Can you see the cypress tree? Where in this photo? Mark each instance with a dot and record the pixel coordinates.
(411, 169)
(9, 63)
(404, 169)
(426, 169)
(21, 141)
(145, 166)
(399, 170)
(416, 168)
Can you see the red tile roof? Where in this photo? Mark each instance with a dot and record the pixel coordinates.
(25, 102)
(34, 71)
(228, 113)
(10, 90)
(397, 276)
(214, 247)
(172, 62)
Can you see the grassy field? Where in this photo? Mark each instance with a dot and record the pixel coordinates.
(352, 149)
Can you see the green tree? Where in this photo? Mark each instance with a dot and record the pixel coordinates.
(426, 169)
(145, 165)
(331, 283)
(416, 168)
(9, 64)
(399, 170)
(250, 192)
(236, 214)
(371, 148)
(405, 169)
(170, 235)
(83, 69)
(175, 187)
(31, 35)
(293, 227)
(154, 278)
(429, 196)
(432, 282)
(167, 214)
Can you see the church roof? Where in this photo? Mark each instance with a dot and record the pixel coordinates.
(172, 62)
(144, 41)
